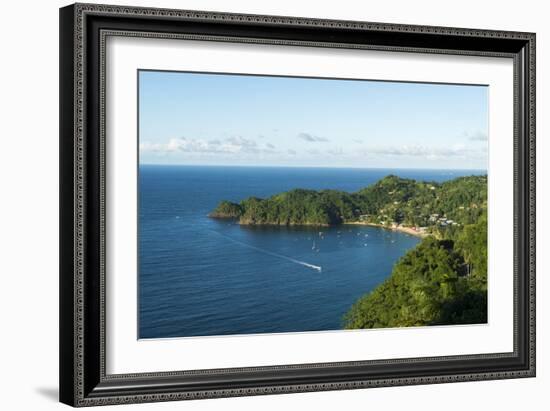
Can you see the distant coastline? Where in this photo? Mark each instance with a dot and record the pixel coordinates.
(418, 208)
(403, 229)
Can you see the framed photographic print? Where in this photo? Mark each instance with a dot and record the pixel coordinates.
(262, 204)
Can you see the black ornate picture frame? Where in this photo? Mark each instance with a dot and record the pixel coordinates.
(83, 31)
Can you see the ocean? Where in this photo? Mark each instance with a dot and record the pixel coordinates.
(201, 277)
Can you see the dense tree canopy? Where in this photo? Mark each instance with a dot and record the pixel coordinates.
(441, 281)
(390, 200)
(430, 285)
(227, 209)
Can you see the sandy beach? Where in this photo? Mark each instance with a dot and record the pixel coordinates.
(406, 230)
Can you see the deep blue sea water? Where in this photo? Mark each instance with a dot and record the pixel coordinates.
(199, 276)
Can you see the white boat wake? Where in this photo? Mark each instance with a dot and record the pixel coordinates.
(261, 250)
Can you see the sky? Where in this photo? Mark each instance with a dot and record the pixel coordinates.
(243, 120)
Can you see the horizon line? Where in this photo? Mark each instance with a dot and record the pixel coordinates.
(307, 166)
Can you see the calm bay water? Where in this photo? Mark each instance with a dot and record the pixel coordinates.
(199, 276)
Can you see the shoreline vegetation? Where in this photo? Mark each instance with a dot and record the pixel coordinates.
(441, 281)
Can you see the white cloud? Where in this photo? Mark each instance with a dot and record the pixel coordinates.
(476, 135)
(311, 138)
(336, 151)
(234, 144)
(458, 150)
(229, 145)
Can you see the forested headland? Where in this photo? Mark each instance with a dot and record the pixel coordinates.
(391, 200)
